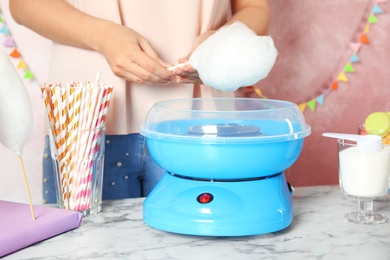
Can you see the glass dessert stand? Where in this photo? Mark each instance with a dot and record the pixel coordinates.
(364, 175)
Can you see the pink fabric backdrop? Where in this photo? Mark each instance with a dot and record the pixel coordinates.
(313, 38)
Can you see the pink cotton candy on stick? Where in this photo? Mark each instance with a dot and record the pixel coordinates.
(16, 116)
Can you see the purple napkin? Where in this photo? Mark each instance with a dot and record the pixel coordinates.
(18, 230)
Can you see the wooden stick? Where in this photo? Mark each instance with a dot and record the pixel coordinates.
(172, 68)
(27, 188)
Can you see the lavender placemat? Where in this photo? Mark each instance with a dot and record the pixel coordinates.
(18, 229)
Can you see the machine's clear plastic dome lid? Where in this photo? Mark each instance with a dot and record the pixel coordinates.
(225, 120)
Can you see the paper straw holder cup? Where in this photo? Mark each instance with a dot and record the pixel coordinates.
(78, 160)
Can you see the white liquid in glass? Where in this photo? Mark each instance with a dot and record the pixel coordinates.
(364, 175)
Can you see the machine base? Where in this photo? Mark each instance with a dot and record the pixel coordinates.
(219, 208)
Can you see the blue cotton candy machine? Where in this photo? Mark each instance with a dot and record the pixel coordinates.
(224, 160)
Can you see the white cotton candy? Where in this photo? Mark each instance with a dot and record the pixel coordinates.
(15, 108)
(234, 57)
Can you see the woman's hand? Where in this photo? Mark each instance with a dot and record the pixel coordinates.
(253, 13)
(186, 73)
(131, 56)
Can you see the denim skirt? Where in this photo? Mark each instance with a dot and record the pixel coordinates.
(129, 170)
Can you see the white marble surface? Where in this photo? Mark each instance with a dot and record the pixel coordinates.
(319, 231)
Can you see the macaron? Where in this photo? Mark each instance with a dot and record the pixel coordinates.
(378, 123)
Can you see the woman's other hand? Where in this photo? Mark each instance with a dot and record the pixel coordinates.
(131, 56)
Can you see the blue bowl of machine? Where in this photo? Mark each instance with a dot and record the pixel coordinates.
(224, 160)
(225, 138)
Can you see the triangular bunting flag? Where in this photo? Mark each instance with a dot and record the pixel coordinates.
(258, 92)
(376, 10)
(15, 54)
(349, 68)
(4, 30)
(1, 19)
(342, 77)
(9, 42)
(302, 107)
(367, 29)
(355, 46)
(364, 39)
(22, 64)
(334, 85)
(248, 87)
(28, 75)
(372, 19)
(354, 58)
(312, 104)
(320, 99)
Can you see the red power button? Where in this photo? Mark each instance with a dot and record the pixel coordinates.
(205, 198)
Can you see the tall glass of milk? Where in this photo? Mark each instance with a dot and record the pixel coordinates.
(364, 175)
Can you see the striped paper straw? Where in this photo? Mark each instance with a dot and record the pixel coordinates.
(71, 109)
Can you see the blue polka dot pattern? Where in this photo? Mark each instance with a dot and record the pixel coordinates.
(129, 171)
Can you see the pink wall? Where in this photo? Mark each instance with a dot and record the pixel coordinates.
(313, 39)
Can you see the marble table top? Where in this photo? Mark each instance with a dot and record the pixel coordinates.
(318, 231)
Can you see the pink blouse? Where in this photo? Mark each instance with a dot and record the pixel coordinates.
(169, 25)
